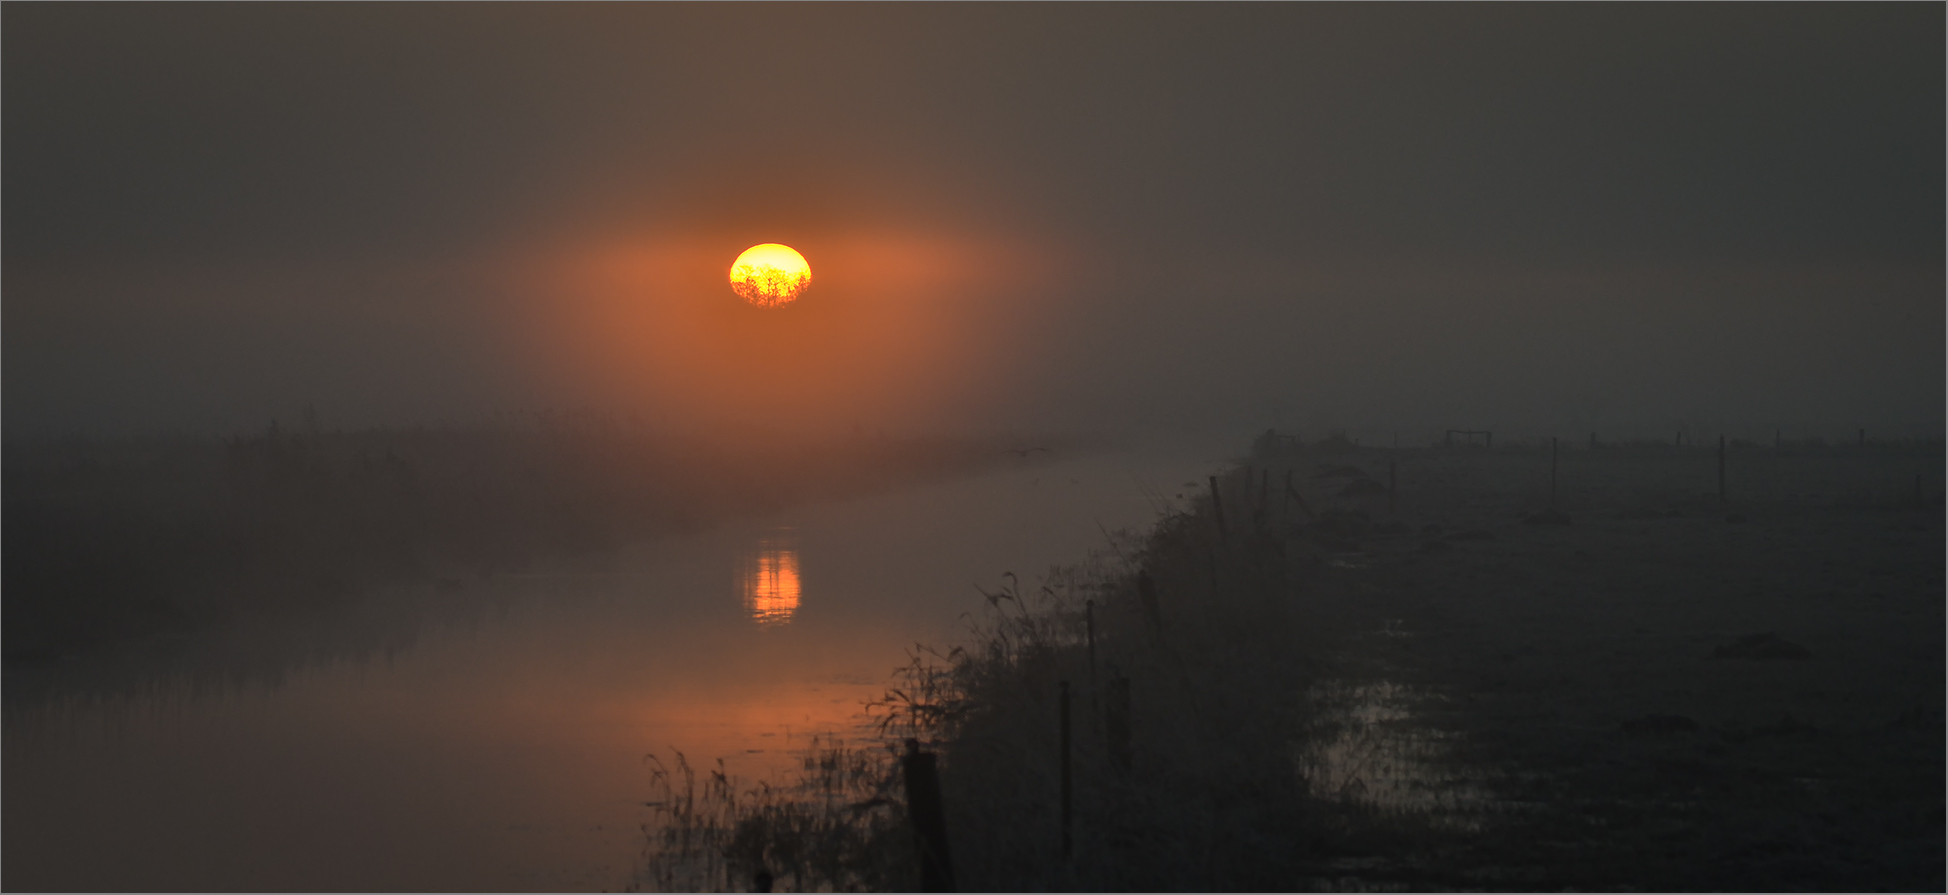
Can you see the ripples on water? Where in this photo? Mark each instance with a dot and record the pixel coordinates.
(769, 580)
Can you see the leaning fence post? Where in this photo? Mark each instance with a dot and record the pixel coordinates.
(1068, 781)
(1293, 494)
(1217, 507)
(923, 808)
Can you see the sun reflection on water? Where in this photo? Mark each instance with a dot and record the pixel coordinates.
(769, 580)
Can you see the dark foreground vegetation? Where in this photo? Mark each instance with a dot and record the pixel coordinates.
(1609, 669)
(109, 542)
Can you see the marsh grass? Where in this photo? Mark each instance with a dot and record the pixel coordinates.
(1318, 702)
(838, 827)
(1221, 793)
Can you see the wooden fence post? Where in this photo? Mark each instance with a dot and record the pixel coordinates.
(1292, 494)
(923, 808)
(1068, 782)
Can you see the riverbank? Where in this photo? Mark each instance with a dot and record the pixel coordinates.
(1457, 669)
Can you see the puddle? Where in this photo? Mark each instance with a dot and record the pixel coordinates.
(1369, 751)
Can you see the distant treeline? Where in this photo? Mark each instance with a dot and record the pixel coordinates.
(108, 539)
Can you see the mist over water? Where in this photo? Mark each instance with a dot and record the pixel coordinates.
(391, 463)
(737, 644)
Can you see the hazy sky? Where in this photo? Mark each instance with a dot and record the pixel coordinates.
(1541, 218)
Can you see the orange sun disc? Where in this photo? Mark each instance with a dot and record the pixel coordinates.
(770, 275)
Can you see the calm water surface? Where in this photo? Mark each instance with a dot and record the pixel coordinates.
(506, 751)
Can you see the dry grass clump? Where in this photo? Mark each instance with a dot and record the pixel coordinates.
(839, 827)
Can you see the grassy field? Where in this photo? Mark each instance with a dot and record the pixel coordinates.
(1449, 682)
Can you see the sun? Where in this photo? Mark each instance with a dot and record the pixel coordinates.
(770, 275)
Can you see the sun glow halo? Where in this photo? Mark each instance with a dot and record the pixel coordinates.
(770, 275)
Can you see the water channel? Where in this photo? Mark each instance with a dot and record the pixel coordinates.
(504, 749)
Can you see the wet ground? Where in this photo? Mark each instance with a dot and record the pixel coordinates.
(1664, 692)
